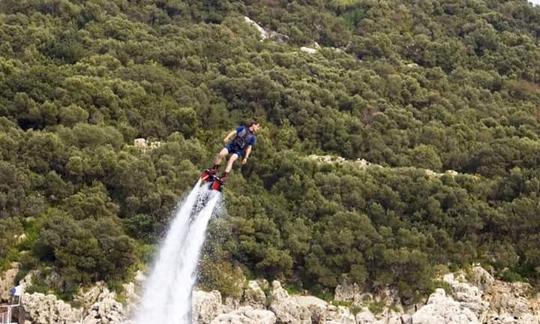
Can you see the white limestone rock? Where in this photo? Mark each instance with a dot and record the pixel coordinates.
(308, 50)
(316, 306)
(7, 281)
(105, 310)
(206, 306)
(482, 279)
(508, 300)
(337, 314)
(254, 295)
(246, 315)
(444, 309)
(347, 291)
(263, 34)
(45, 309)
(285, 308)
(470, 296)
(365, 317)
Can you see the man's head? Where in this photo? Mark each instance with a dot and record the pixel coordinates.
(254, 126)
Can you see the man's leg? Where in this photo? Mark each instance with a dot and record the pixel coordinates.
(228, 169)
(221, 155)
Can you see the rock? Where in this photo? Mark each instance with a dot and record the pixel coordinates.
(509, 319)
(443, 309)
(362, 163)
(140, 278)
(491, 300)
(278, 37)
(395, 318)
(285, 308)
(263, 283)
(337, 314)
(316, 306)
(529, 319)
(262, 33)
(278, 293)
(246, 315)
(389, 296)
(347, 291)
(365, 317)
(470, 296)
(144, 145)
(139, 143)
(254, 296)
(131, 291)
(206, 306)
(7, 281)
(87, 297)
(508, 300)
(266, 34)
(98, 306)
(308, 50)
(482, 279)
(106, 310)
(54, 281)
(27, 280)
(230, 304)
(45, 309)
(430, 173)
(132, 298)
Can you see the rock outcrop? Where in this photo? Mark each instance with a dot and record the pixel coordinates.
(443, 309)
(365, 317)
(266, 33)
(99, 306)
(206, 306)
(7, 281)
(246, 315)
(508, 304)
(494, 301)
(309, 50)
(45, 309)
(254, 296)
(337, 314)
(287, 310)
(471, 297)
(348, 292)
(105, 310)
(316, 307)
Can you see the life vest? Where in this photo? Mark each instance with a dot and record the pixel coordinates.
(240, 140)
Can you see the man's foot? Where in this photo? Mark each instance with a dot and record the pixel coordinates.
(208, 175)
(224, 176)
(217, 184)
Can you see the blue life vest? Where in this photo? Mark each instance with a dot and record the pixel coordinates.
(244, 137)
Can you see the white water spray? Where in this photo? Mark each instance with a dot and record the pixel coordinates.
(167, 296)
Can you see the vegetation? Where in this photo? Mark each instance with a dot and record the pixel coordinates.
(430, 84)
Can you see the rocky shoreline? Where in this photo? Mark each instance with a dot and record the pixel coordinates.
(472, 297)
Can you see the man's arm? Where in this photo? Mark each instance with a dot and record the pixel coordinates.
(248, 152)
(229, 136)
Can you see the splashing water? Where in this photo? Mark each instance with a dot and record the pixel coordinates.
(168, 290)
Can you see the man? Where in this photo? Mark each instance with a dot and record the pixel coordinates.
(15, 295)
(243, 140)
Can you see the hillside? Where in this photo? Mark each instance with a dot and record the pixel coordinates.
(428, 84)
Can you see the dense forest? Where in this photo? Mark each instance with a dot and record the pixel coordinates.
(409, 85)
